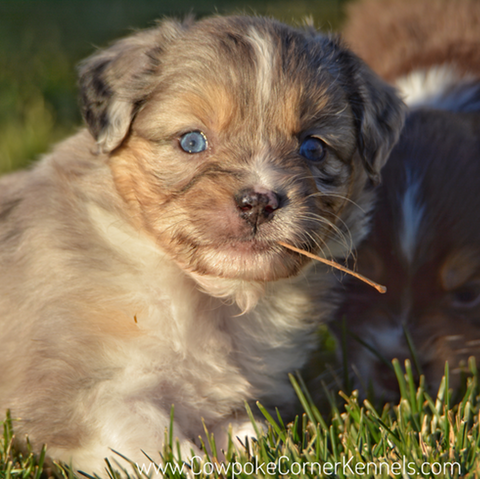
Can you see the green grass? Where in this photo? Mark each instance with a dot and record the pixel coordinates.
(351, 440)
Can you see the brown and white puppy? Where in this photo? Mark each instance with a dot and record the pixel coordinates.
(425, 239)
(425, 248)
(140, 264)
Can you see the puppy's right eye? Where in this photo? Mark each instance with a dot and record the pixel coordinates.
(193, 142)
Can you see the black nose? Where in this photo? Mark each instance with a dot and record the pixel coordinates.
(256, 206)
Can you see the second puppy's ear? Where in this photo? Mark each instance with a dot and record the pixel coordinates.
(377, 109)
(379, 114)
(114, 82)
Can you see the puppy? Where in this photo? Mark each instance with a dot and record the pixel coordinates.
(140, 264)
(425, 240)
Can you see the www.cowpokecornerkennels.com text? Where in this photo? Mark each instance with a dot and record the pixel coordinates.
(285, 466)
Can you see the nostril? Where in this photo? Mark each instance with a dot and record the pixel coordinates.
(246, 207)
(269, 209)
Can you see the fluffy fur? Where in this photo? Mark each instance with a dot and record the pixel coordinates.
(424, 244)
(136, 275)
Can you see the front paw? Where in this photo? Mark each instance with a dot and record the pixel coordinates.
(243, 432)
(240, 431)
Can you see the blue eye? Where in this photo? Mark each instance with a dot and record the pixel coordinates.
(313, 149)
(193, 142)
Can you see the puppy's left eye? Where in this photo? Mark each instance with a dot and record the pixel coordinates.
(313, 149)
(193, 142)
(467, 295)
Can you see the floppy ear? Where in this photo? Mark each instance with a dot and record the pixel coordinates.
(115, 82)
(379, 114)
(378, 111)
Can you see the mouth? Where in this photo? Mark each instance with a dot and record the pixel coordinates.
(250, 259)
(252, 246)
(248, 252)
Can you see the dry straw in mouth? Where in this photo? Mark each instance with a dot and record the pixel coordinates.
(378, 287)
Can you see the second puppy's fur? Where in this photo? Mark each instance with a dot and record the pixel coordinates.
(424, 243)
(130, 253)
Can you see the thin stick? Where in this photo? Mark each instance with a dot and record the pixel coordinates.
(378, 287)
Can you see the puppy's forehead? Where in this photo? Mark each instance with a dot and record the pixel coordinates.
(258, 56)
(251, 70)
(244, 40)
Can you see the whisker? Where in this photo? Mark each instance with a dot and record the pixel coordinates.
(316, 242)
(343, 238)
(347, 241)
(336, 195)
